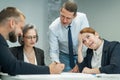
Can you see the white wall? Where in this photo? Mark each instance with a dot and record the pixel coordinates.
(34, 12)
(103, 15)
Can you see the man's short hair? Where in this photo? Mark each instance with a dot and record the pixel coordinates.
(70, 6)
(10, 12)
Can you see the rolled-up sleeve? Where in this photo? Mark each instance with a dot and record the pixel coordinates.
(54, 47)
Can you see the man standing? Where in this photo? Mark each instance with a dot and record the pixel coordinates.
(11, 24)
(63, 35)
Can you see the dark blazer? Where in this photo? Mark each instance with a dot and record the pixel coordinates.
(13, 66)
(18, 53)
(110, 62)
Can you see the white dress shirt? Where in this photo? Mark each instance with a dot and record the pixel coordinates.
(58, 35)
(97, 57)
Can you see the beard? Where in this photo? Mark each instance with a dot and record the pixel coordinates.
(12, 37)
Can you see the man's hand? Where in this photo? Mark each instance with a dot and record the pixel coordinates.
(56, 68)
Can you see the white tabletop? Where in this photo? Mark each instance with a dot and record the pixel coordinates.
(64, 76)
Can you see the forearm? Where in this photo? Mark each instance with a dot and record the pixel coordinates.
(80, 56)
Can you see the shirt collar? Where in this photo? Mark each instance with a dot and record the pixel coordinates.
(99, 50)
(67, 26)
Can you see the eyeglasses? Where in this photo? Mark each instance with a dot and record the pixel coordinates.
(31, 37)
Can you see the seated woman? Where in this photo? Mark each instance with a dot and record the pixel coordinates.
(102, 56)
(27, 51)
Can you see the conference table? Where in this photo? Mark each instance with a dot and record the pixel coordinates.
(63, 76)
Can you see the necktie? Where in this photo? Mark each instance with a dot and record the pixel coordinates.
(70, 46)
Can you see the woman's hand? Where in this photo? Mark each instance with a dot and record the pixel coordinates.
(75, 69)
(91, 71)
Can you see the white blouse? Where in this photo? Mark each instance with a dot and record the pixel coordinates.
(26, 59)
